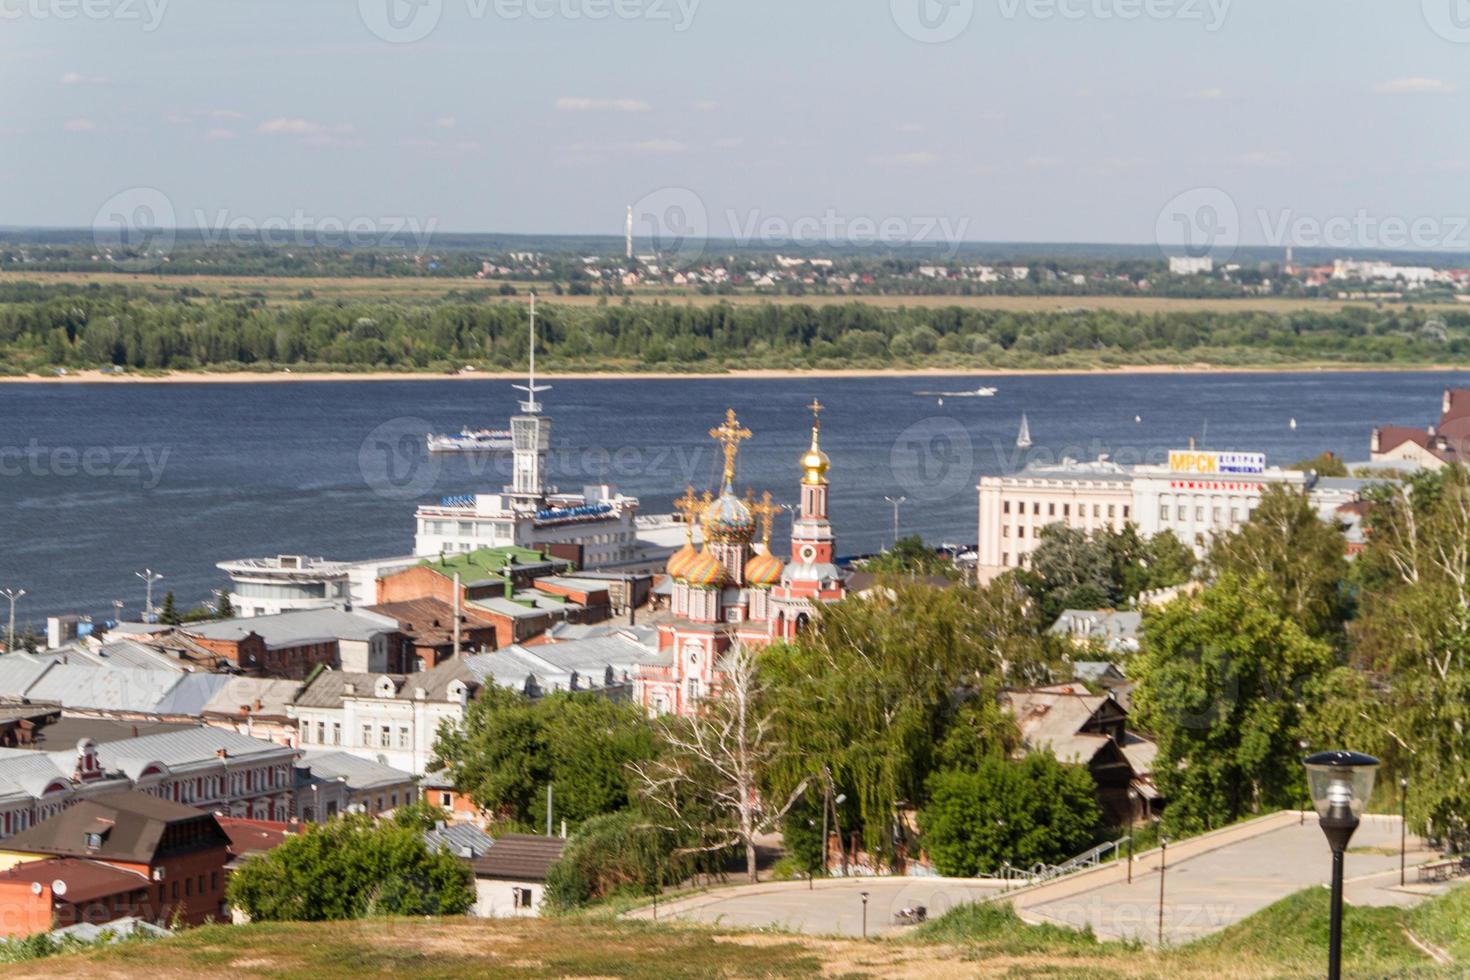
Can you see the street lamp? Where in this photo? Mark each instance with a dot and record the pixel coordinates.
(149, 577)
(1163, 866)
(1340, 783)
(896, 502)
(12, 595)
(1132, 828)
(865, 915)
(1403, 826)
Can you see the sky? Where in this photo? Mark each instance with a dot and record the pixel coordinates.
(985, 120)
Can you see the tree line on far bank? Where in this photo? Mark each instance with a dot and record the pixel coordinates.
(44, 327)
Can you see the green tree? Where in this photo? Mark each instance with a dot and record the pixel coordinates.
(1222, 680)
(1023, 812)
(1302, 559)
(1325, 463)
(169, 615)
(224, 609)
(350, 868)
(911, 556)
(616, 853)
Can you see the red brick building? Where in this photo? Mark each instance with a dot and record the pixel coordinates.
(175, 852)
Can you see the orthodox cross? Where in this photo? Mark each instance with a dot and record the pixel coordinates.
(767, 512)
(690, 506)
(731, 433)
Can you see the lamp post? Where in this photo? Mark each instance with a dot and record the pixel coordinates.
(12, 595)
(1340, 783)
(865, 915)
(1403, 826)
(149, 577)
(1163, 866)
(896, 502)
(1132, 828)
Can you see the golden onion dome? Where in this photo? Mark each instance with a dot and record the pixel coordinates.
(814, 464)
(763, 568)
(679, 560)
(705, 571)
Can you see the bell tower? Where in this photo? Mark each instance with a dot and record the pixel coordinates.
(812, 542)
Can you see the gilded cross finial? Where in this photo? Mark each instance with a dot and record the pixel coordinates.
(816, 408)
(689, 506)
(731, 434)
(767, 512)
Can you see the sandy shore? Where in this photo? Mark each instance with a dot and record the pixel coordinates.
(273, 377)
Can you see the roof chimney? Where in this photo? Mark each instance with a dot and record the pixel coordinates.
(222, 753)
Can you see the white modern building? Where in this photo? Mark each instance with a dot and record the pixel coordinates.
(288, 583)
(1196, 495)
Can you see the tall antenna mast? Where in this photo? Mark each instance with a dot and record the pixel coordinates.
(530, 406)
(629, 232)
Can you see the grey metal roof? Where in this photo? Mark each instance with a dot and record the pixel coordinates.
(274, 694)
(360, 773)
(586, 664)
(461, 839)
(191, 694)
(175, 749)
(327, 688)
(116, 653)
(300, 627)
(19, 672)
(106, 688)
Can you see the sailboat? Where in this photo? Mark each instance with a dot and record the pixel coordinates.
(1023, 438)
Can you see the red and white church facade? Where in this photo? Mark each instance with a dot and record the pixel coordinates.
(734, 590)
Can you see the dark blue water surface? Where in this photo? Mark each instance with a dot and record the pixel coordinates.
(99, 480)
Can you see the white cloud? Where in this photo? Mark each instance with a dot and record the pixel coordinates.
(571, 104)
(1413, 86)
(920, 158)
(1262, 159)
(1043, 161)
(79, 125)
(218, 135)
(1205, 95)
(226, 114)
(294, 127)
(445, 122)
(706, 105)
(76, 78)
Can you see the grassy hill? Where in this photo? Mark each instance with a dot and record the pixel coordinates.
(1286, 940)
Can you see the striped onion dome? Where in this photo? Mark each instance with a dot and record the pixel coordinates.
(705, 571)
(680, 560)
(763, 568)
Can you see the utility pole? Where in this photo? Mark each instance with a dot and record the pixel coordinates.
(548, 809)
(12, 595)
(896, 502)
(149, 577)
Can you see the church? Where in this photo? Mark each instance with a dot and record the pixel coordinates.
(734, 589)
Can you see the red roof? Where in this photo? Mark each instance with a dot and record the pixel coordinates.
(254, 836)
(1390, 436)
(1457, 405)
(84, 880)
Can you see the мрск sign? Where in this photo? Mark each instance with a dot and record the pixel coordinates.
(1217, 464)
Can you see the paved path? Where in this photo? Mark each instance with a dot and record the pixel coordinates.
(1208, 889)
(831, 907)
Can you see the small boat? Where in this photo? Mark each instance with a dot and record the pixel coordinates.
(1293, 425)
(1138, 420)
(471, 441)
(977, 393)
(1023, 438)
